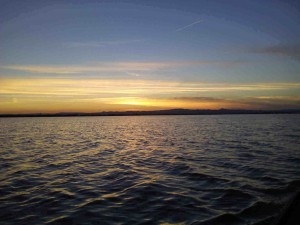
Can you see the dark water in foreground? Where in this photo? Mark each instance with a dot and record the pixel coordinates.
(240, 169)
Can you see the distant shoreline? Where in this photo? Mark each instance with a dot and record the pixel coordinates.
(159, 112)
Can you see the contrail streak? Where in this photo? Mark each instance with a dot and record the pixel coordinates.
(192, 24)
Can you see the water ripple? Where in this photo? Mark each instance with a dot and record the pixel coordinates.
(201, 170)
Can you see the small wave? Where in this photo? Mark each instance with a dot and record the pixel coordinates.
(233, 200)
(261, 210)
(224, 219)
(178, 169)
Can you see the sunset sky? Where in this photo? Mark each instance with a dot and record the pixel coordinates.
(115, 55)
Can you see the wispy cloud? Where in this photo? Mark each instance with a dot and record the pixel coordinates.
(125, 67)
(99, 44)
(89, 68)
(133, 74)
(189, 25)
(272, 102)
(292, 51)
(260, 102)
(76, 87)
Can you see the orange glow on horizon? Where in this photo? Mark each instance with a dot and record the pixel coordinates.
(51, 95)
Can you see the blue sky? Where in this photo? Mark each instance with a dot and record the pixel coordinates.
(213, 42)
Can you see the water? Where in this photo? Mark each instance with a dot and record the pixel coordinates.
(229, 169)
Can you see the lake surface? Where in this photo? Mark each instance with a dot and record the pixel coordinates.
(225, 169)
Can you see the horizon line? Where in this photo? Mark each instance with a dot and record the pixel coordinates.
(174, 111)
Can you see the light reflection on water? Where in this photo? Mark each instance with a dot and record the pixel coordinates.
(239, 169)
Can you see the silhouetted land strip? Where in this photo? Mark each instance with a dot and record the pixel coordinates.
(159, 112)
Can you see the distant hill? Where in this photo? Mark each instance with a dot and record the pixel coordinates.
(159, 112)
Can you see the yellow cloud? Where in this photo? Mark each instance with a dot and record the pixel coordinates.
(43, 95)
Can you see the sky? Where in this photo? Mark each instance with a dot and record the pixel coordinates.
(116, 55)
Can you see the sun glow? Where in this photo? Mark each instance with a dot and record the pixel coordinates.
(130, 101)
(82, 95)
